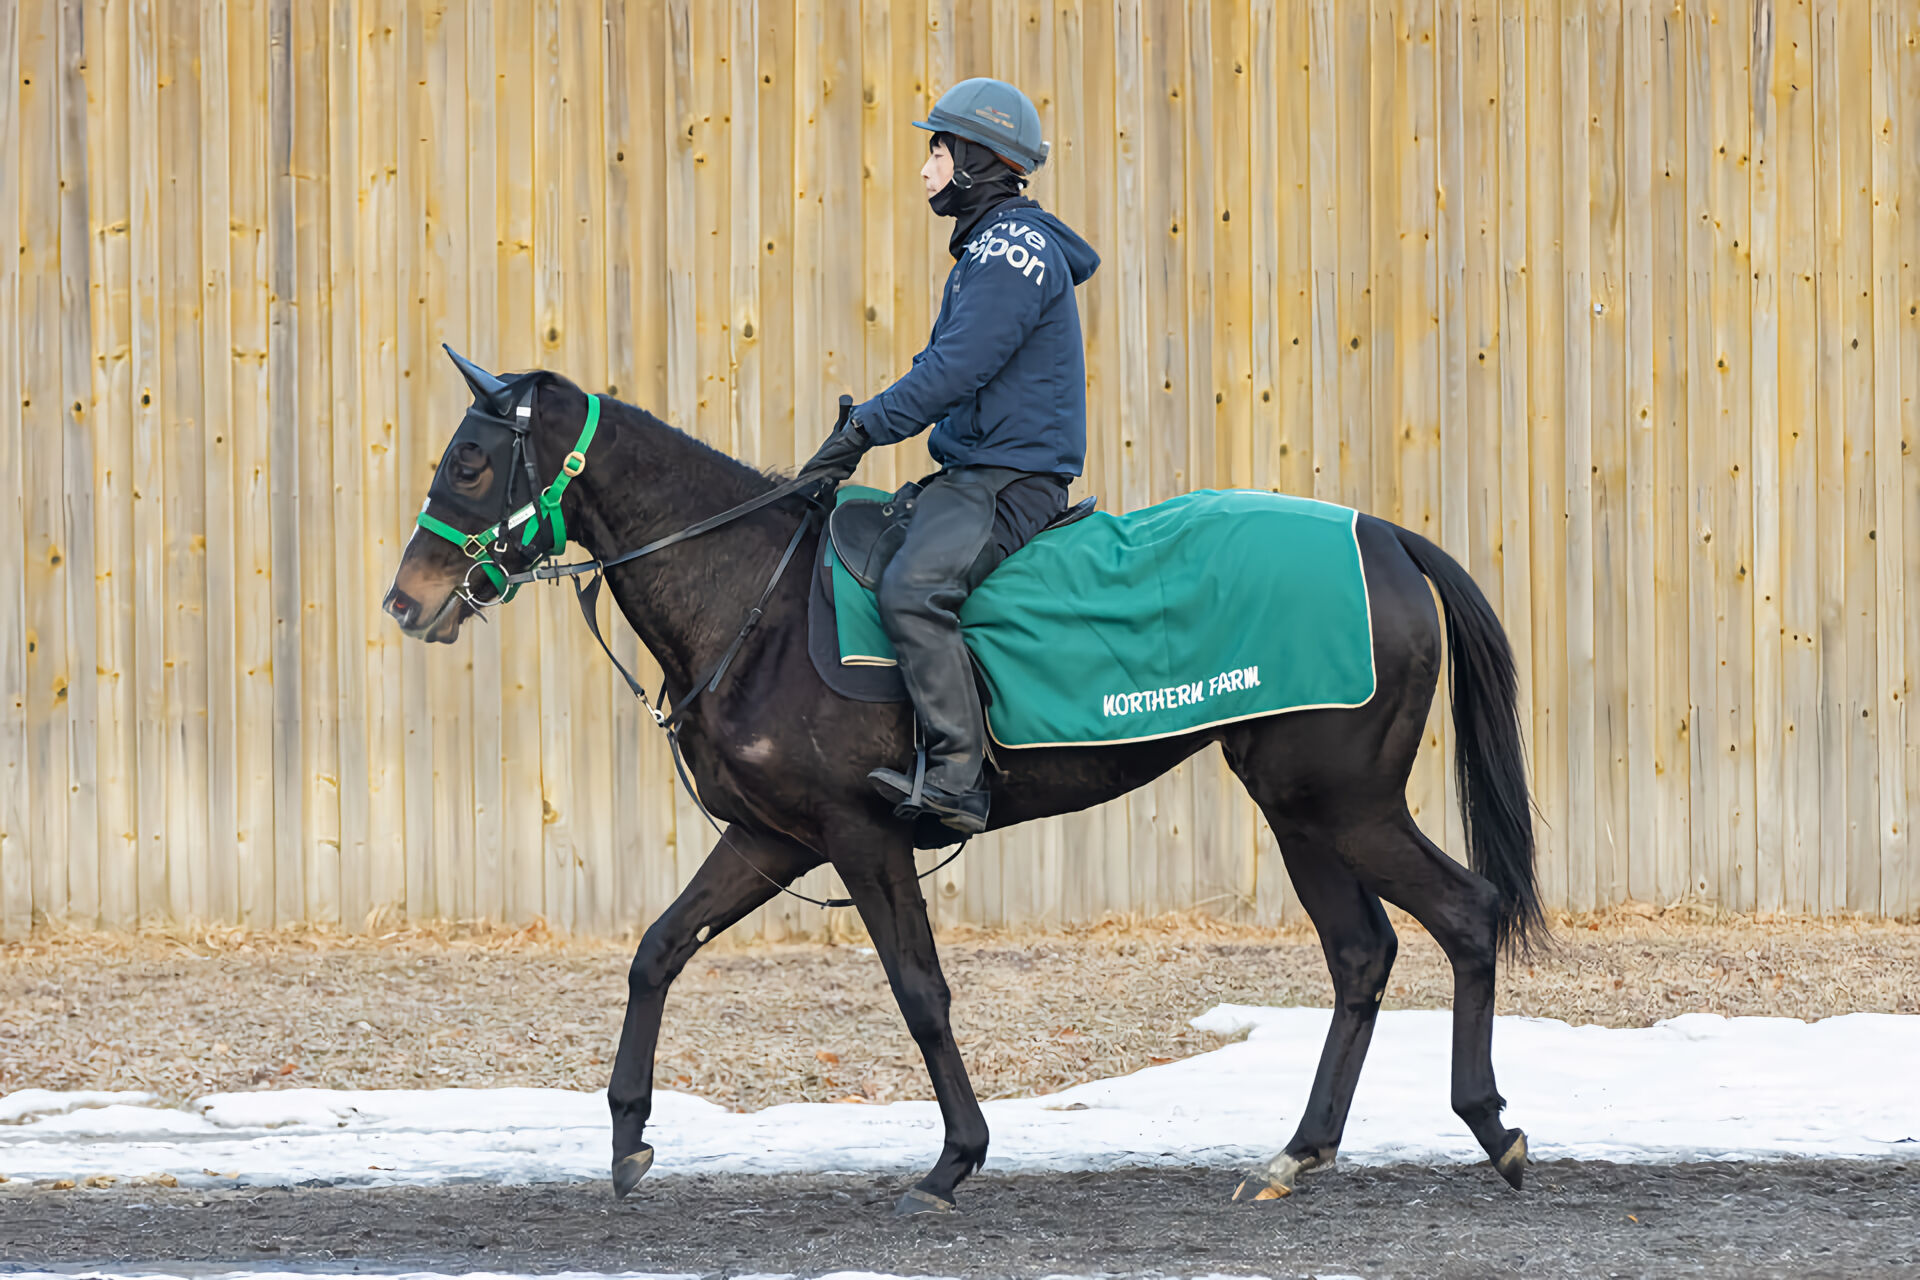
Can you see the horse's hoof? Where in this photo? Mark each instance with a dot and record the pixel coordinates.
(917, 1201)
(1513, 1164)
(1277, 1179)
(628, 1170)
(1259, 1187)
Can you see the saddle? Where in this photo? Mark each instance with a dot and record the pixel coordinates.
(865, 532)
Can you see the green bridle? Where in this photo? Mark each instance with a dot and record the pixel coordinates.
(542, 512)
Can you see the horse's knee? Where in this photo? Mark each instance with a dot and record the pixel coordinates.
(659, 959)
(924, 1005)
(1361, 967)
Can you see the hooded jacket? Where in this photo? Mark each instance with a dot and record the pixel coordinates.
(1003, 377)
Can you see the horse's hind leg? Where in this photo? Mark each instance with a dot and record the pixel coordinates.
(1359, 946)
(1459, 908)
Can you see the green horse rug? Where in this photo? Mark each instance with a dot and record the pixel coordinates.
(1212, 607)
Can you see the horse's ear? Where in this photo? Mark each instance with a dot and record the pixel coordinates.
(488, 391)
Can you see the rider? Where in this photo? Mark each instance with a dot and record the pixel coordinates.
(1003, 381)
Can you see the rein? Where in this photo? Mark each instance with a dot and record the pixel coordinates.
(482, 547)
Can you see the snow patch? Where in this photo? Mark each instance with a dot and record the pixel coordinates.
(1694, 1087)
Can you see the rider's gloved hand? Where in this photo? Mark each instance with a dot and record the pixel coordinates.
(839, 456)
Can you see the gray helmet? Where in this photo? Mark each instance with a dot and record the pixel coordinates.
(994, 114)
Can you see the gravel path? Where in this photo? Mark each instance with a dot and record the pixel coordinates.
(1795, 1219)
(752, 1027)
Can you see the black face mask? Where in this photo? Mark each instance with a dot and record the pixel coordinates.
(496, 428)
(981, 183)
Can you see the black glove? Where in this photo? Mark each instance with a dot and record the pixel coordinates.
(839, 456)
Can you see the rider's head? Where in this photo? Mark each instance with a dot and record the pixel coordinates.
(986, 133)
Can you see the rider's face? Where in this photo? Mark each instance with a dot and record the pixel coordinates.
(937, 172)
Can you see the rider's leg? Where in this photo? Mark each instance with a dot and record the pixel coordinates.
(965, 522)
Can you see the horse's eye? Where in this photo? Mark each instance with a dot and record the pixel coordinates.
(467, 463)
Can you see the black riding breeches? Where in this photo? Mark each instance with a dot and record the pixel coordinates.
(966, 520)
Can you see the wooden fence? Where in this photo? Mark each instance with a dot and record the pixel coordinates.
(1618, 301)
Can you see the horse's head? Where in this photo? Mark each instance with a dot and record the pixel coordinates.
(482, 519)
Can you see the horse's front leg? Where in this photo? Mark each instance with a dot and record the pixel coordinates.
(880, 878)
(728, 885)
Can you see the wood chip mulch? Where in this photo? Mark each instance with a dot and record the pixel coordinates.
(180, 1015)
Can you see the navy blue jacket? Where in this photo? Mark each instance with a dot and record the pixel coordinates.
(1003, 378)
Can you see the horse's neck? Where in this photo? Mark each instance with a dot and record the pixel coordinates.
(686, 602)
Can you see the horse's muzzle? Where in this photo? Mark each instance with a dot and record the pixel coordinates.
(441, 627)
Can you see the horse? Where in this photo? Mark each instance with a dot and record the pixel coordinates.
(782, 760)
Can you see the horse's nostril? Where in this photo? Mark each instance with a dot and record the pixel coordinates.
(401, 607)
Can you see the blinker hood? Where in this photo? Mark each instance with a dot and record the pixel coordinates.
(497, 423)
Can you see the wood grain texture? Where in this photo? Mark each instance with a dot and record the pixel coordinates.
(1614, 299)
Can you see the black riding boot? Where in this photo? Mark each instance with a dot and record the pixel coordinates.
(965, 522)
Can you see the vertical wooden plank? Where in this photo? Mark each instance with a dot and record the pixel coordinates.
(1289, 245)
(1453, 471)
(1710, 802)
(1516, 485)
(107, 76)
(288, 817)
(1479, 347)
(585, 336)
(1387, 173)
(1798, 336)
(1326, 125)
(1836, 725)
(1906, 137)
(1856, 160)
(1733, 300)
(1229, 875)
(563, 818)
(462, 714)
(189, 844)
(1073, 160)
(344, 287)
(624, 111)
(41, 433)
(1610, 531)
(523, 658)
(1105, 320)
(207, 49)
(16, 848)
(1673, 536)
(318, 429)
(427, 707)
(1764, 395)
(491, 871)
(1547, 443)
(1577, 302)
(149, 473)
(77, 417)
(1417, 321)
(382, 91)
(1888, 537)
(250, 420)
(1131, 347)
(679, 191)
(1646, 828)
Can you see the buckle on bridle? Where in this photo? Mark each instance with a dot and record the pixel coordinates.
(575, 463)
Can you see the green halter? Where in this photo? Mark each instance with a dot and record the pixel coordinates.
(545, 508)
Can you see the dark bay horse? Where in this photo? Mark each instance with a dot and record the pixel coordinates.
(783, 761)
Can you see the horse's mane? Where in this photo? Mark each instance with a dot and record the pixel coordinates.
(758, 479)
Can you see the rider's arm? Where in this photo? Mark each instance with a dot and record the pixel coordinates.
(993, 312)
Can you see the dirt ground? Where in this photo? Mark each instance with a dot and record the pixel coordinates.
(1720, 1221)
(183, 1015)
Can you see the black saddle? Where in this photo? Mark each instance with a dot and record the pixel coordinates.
(867, 531)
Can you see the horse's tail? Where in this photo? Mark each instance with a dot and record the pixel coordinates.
(1488, 760)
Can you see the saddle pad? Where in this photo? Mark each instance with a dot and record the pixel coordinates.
(1215, 606)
